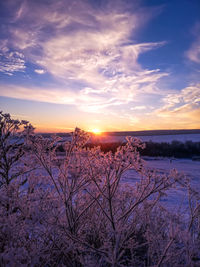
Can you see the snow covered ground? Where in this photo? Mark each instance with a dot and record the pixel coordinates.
(155, 138)
(176, 197)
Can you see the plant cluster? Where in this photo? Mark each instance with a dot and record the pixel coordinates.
(75, 211)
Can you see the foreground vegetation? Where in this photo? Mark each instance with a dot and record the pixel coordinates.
(76, 212)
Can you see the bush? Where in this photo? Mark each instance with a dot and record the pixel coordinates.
(76, 211)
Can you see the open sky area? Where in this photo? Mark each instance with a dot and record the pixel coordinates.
(97, 64)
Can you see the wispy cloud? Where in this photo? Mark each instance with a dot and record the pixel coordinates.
(89, 50)
(39, 71)
(85, 102)
(55, 95)
(183, 107)
(10, 61)
(177, 100)
(138, 108)
(194, 52)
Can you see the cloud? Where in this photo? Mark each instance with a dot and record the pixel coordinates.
(88, 50)
(138, 108)
(55, 95)
(193, 53)
(39, 71)
(183, 107)
(84, 102)
(11, 61)
(58, 96)
(188, 95)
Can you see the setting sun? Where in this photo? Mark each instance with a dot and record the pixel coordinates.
(96, 131)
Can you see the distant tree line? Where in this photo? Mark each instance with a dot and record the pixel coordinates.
(177, 149)
(153, 132)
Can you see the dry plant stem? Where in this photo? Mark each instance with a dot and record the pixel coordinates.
(42, 161)
(165, 252)
(96, 200)
(142, 198)
(92, 177)
(193, 212)
(109, 199)
(79, 241)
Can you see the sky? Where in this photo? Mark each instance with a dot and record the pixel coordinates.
(99, 64)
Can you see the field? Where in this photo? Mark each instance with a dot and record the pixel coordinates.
(187, 167)
(153, 138)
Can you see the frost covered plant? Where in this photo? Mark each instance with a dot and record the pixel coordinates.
(99, 216)
(11, 147)
(13, 169)
(75, 210)
(13, 172)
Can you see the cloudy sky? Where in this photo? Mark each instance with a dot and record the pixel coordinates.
(112, 65)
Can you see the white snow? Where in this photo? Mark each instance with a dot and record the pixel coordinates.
(177, 196)
(156, 138)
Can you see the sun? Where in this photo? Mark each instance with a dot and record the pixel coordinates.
(96, 131)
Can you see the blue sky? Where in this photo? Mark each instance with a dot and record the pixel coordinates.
(112, 65)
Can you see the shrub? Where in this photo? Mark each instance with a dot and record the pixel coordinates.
(77, 212)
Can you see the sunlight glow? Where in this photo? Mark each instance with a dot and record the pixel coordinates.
(96, 131)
